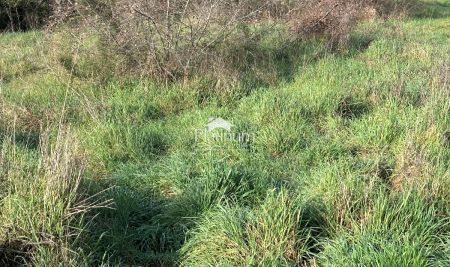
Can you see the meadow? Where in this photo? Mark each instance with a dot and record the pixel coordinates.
(348, 164)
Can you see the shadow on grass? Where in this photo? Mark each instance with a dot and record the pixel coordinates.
(432, 10)
(256, 66)
(134, 231)
(250, 65)
(145, 227)
(350, 108)
(28, 140)
(15, 253)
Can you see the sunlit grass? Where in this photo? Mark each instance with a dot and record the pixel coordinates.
(349, 164)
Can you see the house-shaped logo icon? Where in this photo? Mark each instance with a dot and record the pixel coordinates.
(218, 123)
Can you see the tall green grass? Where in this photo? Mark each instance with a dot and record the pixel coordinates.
(349, 164)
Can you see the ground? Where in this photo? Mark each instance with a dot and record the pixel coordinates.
(348, 162)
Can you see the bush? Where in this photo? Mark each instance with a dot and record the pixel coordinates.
(332, 18)
(174, 40)
(22, 15)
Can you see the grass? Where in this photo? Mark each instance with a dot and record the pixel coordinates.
(349, 164)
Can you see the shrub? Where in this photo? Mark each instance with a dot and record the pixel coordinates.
(172, 39)
(333, 18)
(175, 40)
(21, 15)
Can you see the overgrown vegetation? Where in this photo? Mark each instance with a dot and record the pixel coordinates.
(347, 106)
(224, 40)
(22, 15)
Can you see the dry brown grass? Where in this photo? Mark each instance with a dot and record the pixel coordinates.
(44, 205)
(176, 40)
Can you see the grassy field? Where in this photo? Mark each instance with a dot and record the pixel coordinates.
(347, 164)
